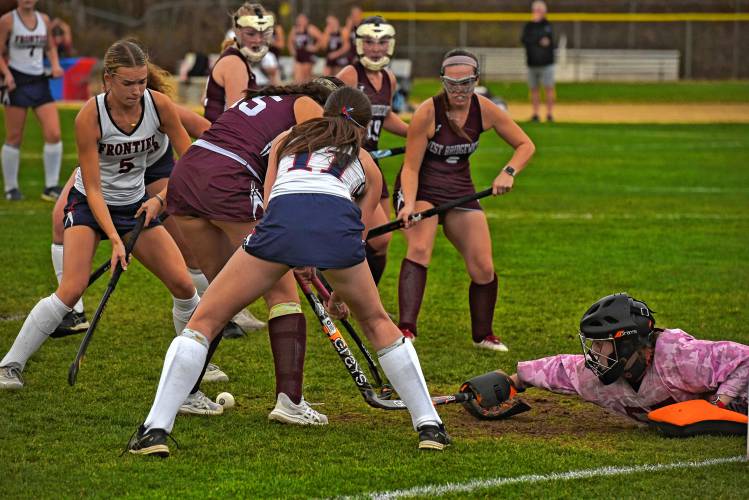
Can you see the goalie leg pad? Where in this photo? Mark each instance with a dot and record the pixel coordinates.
(697, 417)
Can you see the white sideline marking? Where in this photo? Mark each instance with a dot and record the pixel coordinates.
(470, 486)
(599, 216)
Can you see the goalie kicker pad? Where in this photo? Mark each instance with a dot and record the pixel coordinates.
(697, 417)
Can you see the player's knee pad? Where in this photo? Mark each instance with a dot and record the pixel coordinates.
(284, 309)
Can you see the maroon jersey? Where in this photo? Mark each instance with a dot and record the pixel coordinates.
(445, 170)
(215, 95)
(335, 42)
(301, 40)
(247, 130)
(380, 103)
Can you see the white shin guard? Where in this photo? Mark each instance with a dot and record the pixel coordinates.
(182, 366)
(40, 323)
(11, 158)
(401, 365)
(57, 258)
(182, 311)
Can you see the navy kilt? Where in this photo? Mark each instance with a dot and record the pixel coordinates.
(31, 90)
(320, 230)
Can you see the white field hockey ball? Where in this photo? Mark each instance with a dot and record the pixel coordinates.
(226, 400)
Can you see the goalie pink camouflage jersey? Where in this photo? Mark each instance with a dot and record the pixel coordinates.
(683, 368)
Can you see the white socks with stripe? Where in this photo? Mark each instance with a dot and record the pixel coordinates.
(182, 366)
(57, 251)
(11, 158)
(182, 311)
(40, 323)
(401, 365)
(52, 161)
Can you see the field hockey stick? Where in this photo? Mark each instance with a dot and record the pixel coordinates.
(398, 224)
(365, 388)
(324, 289)
(99, 272)
(76, 365)
(378, 154)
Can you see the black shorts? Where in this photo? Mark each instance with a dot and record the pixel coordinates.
(78, 213)
(162, 169)
(31, 91)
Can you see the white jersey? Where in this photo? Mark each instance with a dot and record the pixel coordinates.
(162, 140)
(26, 46)
(319, 174)
(123, 157)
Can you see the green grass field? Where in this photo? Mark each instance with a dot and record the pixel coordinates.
(675, 92)
(659, 211)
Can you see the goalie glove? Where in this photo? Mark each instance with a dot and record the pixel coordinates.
(492, 393)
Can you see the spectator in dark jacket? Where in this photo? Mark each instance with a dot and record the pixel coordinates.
(538, 40)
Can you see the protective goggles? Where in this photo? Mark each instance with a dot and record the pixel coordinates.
(459, 86)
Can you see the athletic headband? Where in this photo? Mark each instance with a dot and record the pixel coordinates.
(346, 112)
(456, 60)
(326, 83)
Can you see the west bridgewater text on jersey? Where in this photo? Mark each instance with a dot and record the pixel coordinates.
(456, 149)
(127, 148)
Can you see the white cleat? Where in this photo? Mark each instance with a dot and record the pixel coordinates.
(302, 414)
(214, 374)
(200, 404)
(492, 343)
(10, 378)
(247, 322)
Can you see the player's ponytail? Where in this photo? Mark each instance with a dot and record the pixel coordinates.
(347, 114)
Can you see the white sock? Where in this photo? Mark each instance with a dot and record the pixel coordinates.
(198, 279)
(57, 264)
(182, 311)
(11, 157)
(52, 162)
(182, 366)
(401, 365)
(40, 323)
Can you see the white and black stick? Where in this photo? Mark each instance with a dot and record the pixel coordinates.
(324, 289)
(76, 365)
(365, 388)
(379, 154)
(398, 224)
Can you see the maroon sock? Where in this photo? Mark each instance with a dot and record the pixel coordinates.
(288, 341)
(482, 299)
(376, 263)
(411, 284)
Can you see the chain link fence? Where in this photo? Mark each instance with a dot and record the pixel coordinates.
(170, 28)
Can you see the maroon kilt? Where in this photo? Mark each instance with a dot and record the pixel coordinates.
(209, 185)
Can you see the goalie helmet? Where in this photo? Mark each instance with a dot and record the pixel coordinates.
(378, 29)
(261, 22)
(612, 332)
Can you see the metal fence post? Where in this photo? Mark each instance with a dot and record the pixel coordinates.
(688, 51)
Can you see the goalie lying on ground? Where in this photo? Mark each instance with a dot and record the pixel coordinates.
(633, 368)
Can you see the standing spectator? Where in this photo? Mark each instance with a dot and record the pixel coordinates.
(304, 41)
(538, 40)
(62, 38)
(336, 44)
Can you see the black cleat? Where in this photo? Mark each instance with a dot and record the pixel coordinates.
(13, 195)
(433, 437)
(73, 323)
(152, 442)
(51, 193)
(232, 331)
